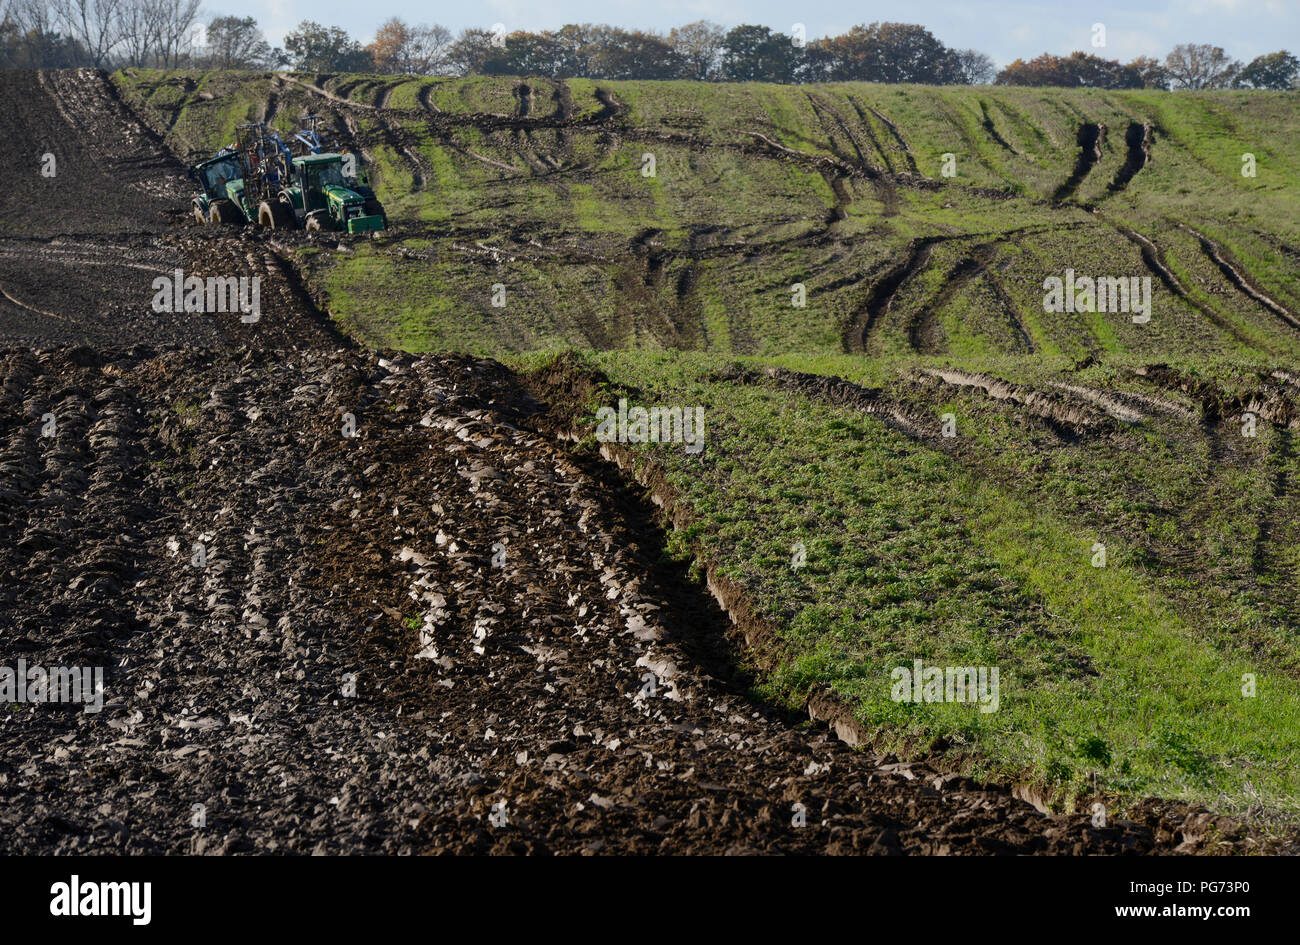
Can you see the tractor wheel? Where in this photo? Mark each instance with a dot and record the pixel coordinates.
(275, 216)
(199, 215)
(222, 211)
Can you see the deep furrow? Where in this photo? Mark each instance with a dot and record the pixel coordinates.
(880, 298)
(1091, 138)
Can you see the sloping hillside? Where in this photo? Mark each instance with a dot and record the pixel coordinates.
(545, 187)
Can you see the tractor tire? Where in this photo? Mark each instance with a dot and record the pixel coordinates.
(276, 216)
(199, 215)
(223, 211)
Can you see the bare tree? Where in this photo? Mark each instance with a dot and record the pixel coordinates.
(33, 30)
(430, 50)
(92, 23)
(699, 46)
(173, 28)
(134, 24)
(1193, 66)
(974, 67)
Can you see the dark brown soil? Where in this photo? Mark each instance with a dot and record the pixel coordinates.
(504, 607)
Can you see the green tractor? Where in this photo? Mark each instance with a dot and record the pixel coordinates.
(261, 181)
(220, 199)
(328, 191)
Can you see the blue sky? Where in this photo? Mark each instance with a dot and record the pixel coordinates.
(1005, 29)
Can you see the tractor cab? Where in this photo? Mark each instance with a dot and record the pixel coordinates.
(319, 176)
(215, 174)
(221, 184)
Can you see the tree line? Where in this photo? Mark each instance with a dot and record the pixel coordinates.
(1187, 66)
(167, 33)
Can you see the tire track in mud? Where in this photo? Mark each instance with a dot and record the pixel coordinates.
(387, 133)
(541, 162)
(991, 129)
(1218, 405)
(838, 392)
(1091, 138)
(1221, 414)
(1008, 306)
(881, 179)
(908, 156)
(85, 98)
(1070, 417)
(924, 333)
(640, 289)
(1276, 530)
(1138, 138)
(1155, 261)
(880, 298)
(1235, 274)
(30, 308)
(271, 106)
(425, 98)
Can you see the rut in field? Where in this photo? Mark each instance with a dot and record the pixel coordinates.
(1091, 138)
(1137, 139)
(1239, 278)
(857, 334)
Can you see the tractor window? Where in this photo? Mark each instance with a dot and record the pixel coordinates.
(216, 175)
(323, 175)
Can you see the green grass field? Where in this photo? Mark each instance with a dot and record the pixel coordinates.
(926, 292)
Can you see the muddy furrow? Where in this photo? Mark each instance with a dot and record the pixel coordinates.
(992, 131)
(924, 333)
(1279, 525)
(838, 392)
(541, 162)
(893, 130)
(1091, 138)
(425, 98)
(1069, 416)
(1238, 277)
(831, 119)
(1114, 404)
(1218, 405)
(271, 107)
(1137, 139)
(1008, 306)
(880, 298)
(1155, 261)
